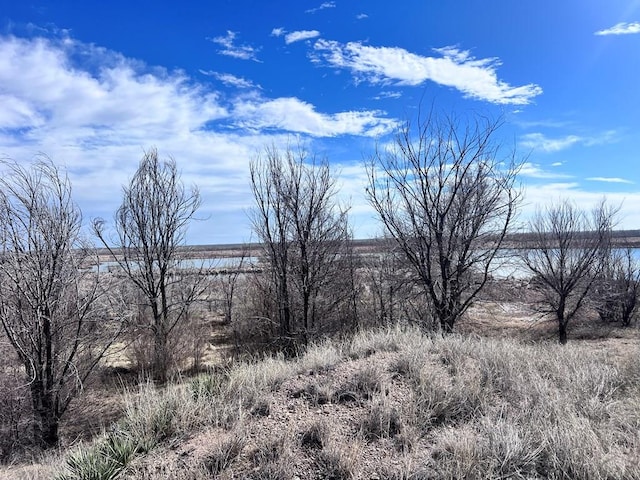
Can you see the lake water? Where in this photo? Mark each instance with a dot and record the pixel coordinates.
(195, 263)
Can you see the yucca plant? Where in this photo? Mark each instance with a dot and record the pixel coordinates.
(105, 460)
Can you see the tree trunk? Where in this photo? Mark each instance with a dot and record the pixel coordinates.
(562, 321)
(45, 419)
(562, 332)
(160, 358)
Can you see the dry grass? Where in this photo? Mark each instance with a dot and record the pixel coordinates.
(423, 407)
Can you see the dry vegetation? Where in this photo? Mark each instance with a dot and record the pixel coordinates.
(389, 404)
(320, 362)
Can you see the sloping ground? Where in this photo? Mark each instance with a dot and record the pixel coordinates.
(393, 404)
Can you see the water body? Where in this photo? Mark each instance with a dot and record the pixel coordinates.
(221, 263)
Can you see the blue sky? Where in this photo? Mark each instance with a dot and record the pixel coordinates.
(93, 84)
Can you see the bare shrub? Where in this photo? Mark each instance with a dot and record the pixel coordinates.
(185, 346)
(389, 293)
(307, 245)
(253, 330)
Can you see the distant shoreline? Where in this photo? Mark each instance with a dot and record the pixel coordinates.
(621, 239)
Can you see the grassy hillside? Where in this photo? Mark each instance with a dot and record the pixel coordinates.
(391, 404)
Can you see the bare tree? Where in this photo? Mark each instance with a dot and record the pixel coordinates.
(565, 254)
(305, 236)
(48, 292)
(447, 199)
(150, 227)
(616, 289)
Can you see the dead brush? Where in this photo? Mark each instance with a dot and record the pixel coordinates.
(272, 459)
(224, 452)
(381, 421)
(315, 436)
(338, 461)
(316, 392)
(438, 400)
(363, 384)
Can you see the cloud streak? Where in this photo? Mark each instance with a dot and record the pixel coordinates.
(322, 6)
(294, 115)
(475, 78)
(609, 180)
(533, 170)
(230, 79)
(622, 28)
(230, 49)
(539, 141)
(300, 35)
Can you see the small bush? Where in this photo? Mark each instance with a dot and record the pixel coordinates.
(318, 393)
(224, 453)
(273, 460)
(338, 462)
(315, 436)
(381, 421)
(364, 383)
(208, 385)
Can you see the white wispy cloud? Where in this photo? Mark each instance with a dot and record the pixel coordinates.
(300, 35)
(322, 6)
(95, 111)
(294, 115)
(475, 78)
(539, 141)
(609, 180)
(243, 52)
(387, 94)
(278, 32)
(362, 16)
(534, 170)
(230, 79)
(622, 28)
